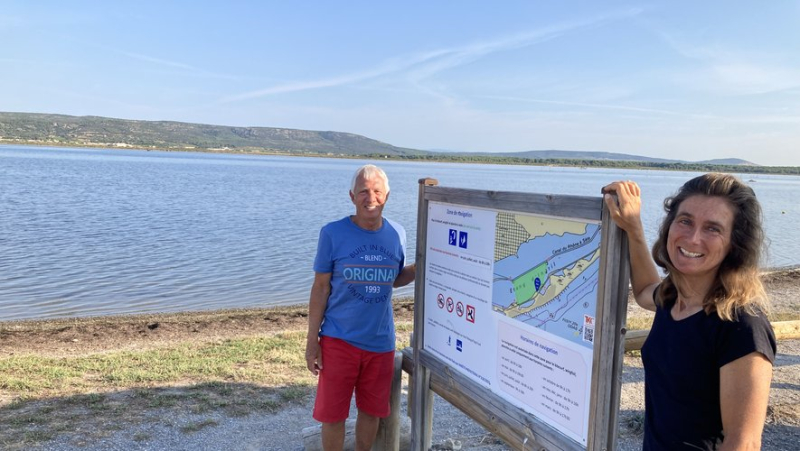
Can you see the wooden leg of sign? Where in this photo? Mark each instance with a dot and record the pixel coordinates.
(388, 438)
(422, 411)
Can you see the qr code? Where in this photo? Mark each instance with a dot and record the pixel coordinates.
(588, 328)
(588, 334)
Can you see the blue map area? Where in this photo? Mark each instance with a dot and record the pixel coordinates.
(560, 275)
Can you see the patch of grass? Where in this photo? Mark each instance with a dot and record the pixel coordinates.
(141, 437)
(277, 360)
(268, 404)
(87, 396)
(639, 323)
(33, 437)
(784, 316)
(17, 403)
(403, 331)
(194, 427)
(25, 420)
(634, 425)
(162, 401)
(294, 393)
(89, 399)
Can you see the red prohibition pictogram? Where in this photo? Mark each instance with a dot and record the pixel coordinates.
(470, 313)
(440, 300)
(450, 305)
(460, 309)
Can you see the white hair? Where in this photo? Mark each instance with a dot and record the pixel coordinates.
(369, 171)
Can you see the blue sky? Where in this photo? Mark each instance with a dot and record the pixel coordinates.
(671, 79)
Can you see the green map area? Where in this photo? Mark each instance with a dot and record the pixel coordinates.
(546, 273)
(527, 284)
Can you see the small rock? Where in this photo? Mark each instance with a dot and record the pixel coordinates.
(448, 445)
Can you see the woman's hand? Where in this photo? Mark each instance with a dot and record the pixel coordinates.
(626, 209)
(626, 213)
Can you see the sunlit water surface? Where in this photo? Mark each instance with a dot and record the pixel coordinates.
(97, 232)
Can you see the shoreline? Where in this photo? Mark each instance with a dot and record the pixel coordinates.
(773, 279)
(440, 158)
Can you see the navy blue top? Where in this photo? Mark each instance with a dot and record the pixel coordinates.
(682, 360)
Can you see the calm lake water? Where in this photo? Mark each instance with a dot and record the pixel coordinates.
(96, 232)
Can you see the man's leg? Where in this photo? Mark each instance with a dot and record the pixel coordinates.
(372, 396)
(333, 436)
(334, 390)
(366, 430)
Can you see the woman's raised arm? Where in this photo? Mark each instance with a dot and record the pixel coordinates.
(625, 210)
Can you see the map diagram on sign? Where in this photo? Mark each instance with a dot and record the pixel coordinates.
(546, 274)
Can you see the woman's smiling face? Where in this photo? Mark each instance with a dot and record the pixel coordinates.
(700, 236)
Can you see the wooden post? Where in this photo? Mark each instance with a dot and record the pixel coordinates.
(610, 338)
(784, 330)
(388, 438)
(421, 408)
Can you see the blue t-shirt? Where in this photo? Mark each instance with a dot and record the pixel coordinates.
(363, 266)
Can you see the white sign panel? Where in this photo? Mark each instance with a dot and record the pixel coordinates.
(510, 301)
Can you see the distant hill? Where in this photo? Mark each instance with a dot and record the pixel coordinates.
(602, 156)
(58, 129)
(584, 155)
(729, 161)
(63, 130)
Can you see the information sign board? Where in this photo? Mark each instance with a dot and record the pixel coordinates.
(515, 294)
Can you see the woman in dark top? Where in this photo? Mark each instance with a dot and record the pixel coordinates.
(708, 357)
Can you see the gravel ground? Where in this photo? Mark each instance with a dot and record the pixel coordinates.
(283, 430)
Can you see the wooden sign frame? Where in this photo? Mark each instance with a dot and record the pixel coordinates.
(517, 427)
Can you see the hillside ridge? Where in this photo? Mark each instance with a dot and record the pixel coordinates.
(97, 131)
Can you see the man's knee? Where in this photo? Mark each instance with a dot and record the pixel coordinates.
(333, 436)
(366, 430)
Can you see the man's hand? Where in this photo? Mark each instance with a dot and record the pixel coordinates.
(317, 303)
(313, 356)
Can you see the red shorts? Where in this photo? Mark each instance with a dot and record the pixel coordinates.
(346, 368)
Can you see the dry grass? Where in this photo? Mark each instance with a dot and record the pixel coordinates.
(89, 395)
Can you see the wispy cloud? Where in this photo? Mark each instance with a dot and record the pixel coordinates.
(154, 61)
(730, 71)
(390, 66)
(589, 105)
(159, 61)
(423, 65)
(186, 68)
(747, 119)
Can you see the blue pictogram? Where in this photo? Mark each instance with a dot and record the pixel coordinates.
(453, 237)
(462, 240)
(459, 345)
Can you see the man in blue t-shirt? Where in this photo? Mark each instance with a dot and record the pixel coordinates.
(350, 318)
